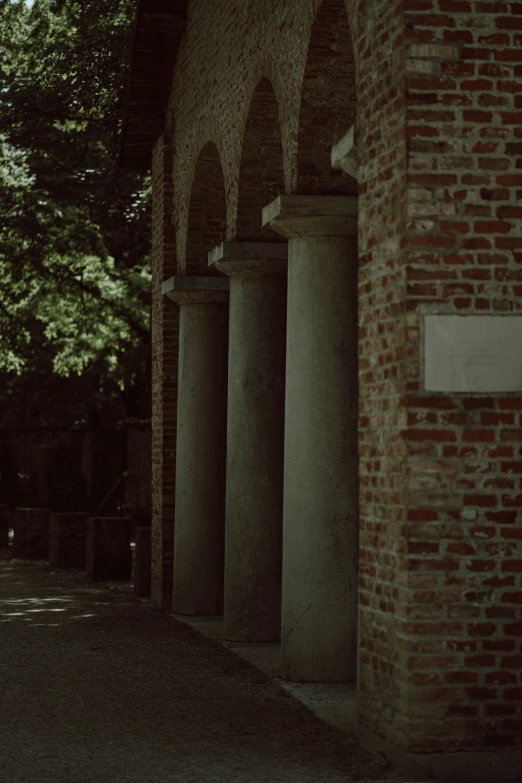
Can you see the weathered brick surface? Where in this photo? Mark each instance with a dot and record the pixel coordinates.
(207, 214)
(142, 562)
(67, 540)
(259, 184)
(219, 92)
(165, 326)
(459, 609)
(31, 532)
(438, 86)
(382, 372)
(440, 494)
(108, 548)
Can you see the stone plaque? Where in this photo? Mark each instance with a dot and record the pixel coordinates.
(473, 353)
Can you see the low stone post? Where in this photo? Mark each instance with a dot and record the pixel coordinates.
(108, 548)
(200, 443)
(142, 561)
(31, 532)
(320, 516)
(67, 540)
(255, 437)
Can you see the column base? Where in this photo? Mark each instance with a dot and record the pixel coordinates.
(502, 766)
(194, 614)
(247, 636)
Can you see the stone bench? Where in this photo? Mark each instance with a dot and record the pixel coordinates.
(108, 548)
(4, 526)
(67, 539)
(31, 532)
(142, 561)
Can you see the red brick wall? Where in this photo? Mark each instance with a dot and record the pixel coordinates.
(165, 324)
(460, 628)
(261, 176)
(207, 213)
(226, 52)
(438, 93)
(382, 358)
(328, 102)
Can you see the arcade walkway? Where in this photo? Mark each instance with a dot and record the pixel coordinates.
(97, 686)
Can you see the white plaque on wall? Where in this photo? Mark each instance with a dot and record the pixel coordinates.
(473, 353)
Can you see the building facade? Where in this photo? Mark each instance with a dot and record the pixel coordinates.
(337, 392)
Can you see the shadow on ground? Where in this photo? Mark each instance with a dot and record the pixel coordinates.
(98, 686)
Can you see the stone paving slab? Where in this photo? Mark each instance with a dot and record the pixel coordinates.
(98, 686)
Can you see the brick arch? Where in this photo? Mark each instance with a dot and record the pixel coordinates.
(207, 211)
(261, 172)
(187, 157)
(328, 100)
(206, 130)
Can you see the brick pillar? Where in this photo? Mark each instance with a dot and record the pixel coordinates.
(165, 327)
(441, 502)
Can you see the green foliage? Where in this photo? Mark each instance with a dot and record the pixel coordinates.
(74, 228)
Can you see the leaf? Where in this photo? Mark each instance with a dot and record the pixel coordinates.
(74, 229)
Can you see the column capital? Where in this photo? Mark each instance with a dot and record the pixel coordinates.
(296, 216)
(250, 259)
(344, 154)
(184, 289)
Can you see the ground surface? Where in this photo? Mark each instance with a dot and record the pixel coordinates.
(97, 686)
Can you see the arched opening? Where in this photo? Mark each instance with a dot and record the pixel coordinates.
(261, 176)
(328, 102)
(207, 218)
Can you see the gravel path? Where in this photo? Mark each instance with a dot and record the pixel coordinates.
(97, 686)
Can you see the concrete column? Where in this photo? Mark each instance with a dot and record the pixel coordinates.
(255, 437)
(200, 443)
(320, 516)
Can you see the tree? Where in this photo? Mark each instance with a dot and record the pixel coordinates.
(74, 228)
